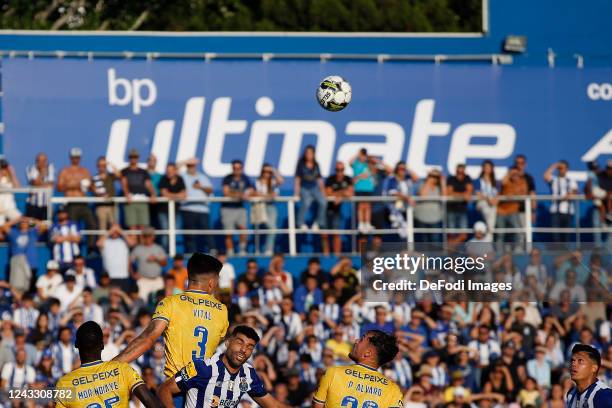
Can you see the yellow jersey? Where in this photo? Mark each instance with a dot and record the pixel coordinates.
(197, 322)
(357, 386)
(99, 384)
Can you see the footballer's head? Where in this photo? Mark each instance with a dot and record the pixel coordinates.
(203, 271)
(585, 362)
(89, 339)
(240, 345)
(375, 348)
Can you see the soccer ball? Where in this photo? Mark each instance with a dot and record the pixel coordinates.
(334, 93)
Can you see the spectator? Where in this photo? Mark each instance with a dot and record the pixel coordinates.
(179, 272)
(267, 188)
(75, 181)
(153, 173)
(298, 391)
(47, 284)
(400, 185)
(486, 192)
(530, 395)
(40, 175)
(508, 211)
(599, 189)
(481, 243)
(227, 276)
(115, 250)
(91, 310)
(103, 186)
(149, 258)
(85, 277)
(65, 355)
(307, 295)
(289, 319)
(364, 187)
(338, 187)
(414, 398)
(563, 189)
(270, 295)
(251, 276)
(283, 278)
(314, 269)
(500, 382)
(573, 260)
(8, 180)
(338, 345)
(67, 292)
(172, 187)
(537, 268)
(17, 375)
(459, 188)
(41, 332)
(24, 254)
(26, 314)
(195, 214)
(520, 162)
(66, 237)
(309, 186)
(539, 368)
(137, 185)
(576, 291)
(484, 349)
(238, 187)
(381, 322)
(516, 323)
(428, 213)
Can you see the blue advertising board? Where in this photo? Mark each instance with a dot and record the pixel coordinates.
(260, 112)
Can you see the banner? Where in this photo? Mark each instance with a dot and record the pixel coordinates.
(427, 115)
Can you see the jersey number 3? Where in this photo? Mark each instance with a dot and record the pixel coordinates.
(200, 333)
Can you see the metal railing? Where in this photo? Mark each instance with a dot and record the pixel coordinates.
(527, 230)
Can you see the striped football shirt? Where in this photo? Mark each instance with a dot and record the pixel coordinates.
(208, 383)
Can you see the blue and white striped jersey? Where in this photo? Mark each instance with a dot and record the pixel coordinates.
(597, 395)
(208, 384)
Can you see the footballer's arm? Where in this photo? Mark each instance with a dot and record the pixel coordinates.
(268, 401)
(143, 342)
(165, 391)
(146, 397)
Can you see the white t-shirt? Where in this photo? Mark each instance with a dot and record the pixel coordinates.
(110, 351)
(65, 296)
(116, 258)
(87, 278)
(226, 276)
(49, 284)
(18, 377)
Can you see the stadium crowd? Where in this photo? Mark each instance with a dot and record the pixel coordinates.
(453, 353)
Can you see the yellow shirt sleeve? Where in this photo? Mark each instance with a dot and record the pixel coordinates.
(320, 395)
(163, 310)
(396, 398)
(130, 377)
(226, 323)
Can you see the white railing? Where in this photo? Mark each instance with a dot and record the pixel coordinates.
(292, 231)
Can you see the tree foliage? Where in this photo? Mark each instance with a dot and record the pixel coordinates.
(244, 15)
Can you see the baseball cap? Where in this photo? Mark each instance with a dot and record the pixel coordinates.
(480, 226)
(52, 264)
(76, 152)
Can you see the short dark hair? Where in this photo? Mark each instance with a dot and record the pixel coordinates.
(385, 345)
(590, 351)
(54, 301)
(237, 161)
(565, 162)
(89, 335)
(203, 264)
(247, 331)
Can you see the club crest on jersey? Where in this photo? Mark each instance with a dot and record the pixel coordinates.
(214, 401)
(244, 386)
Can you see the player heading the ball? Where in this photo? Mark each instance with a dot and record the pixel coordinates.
(222, 380)
(98, 383)
(361, 385)
(193, 322)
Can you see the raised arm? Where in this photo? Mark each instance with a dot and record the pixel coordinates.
(143, 342)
